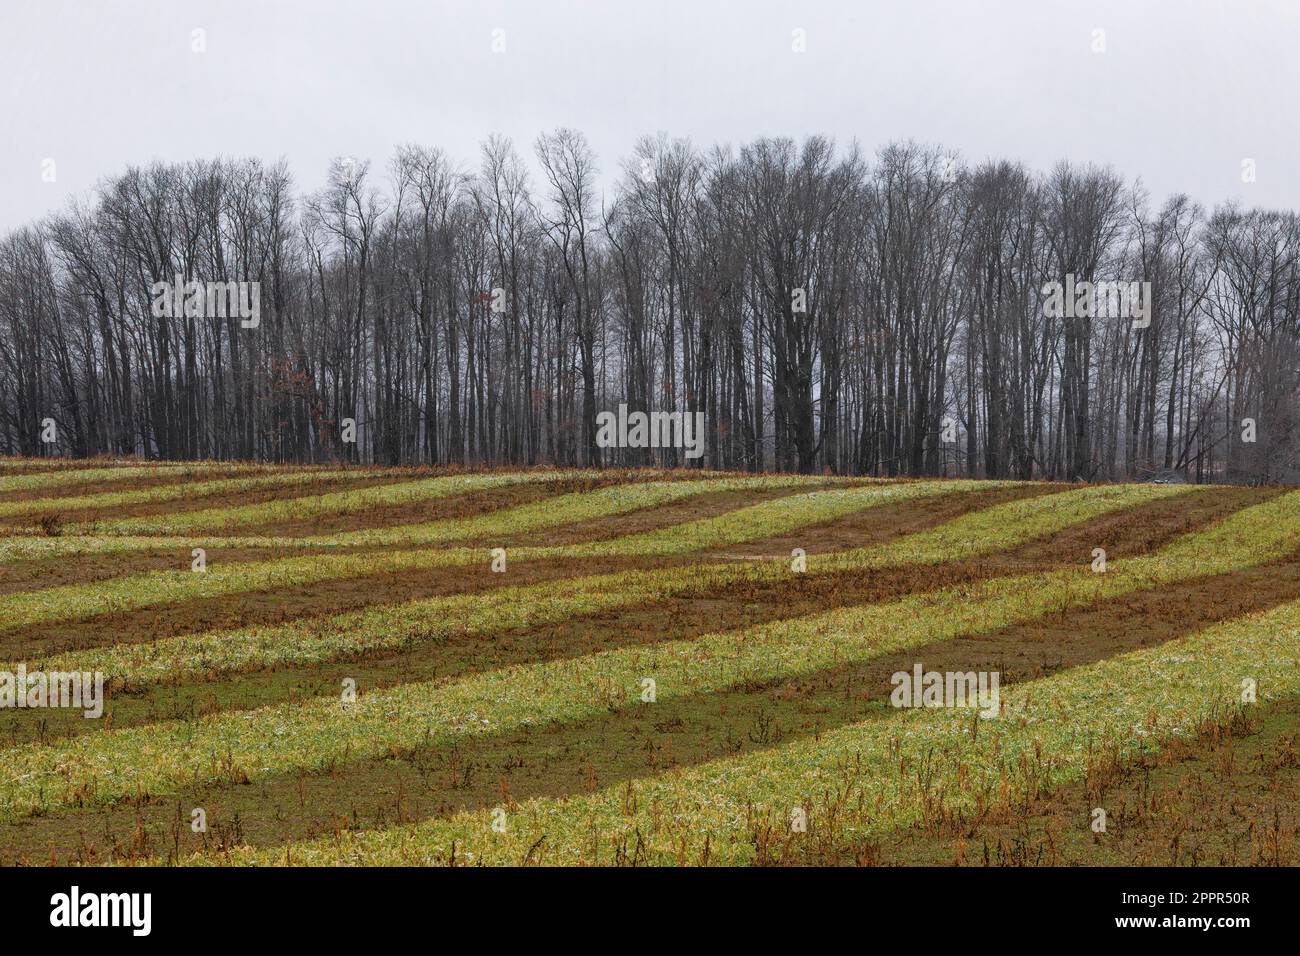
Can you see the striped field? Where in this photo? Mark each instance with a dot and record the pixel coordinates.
(551, 667)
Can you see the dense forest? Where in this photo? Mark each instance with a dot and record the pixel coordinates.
(824, 310)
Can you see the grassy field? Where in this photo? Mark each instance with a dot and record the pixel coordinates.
(551, 667)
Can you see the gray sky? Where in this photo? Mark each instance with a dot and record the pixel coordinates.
(1185, 90)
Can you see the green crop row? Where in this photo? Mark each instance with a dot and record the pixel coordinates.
(135, 592)
(335, 503)
(862, 781)
(554, 512)
(1000, 526)
(161, 494)
(87, 476)
(1246, 538)
(158, 758)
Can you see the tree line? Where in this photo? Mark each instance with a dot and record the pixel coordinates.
(824, 310)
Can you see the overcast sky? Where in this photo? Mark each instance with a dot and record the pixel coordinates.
(1185, 90)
